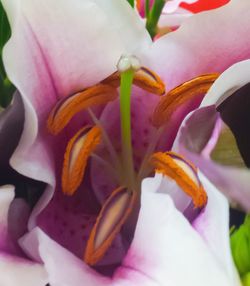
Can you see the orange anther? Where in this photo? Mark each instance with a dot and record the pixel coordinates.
(76, 156)
(143, 78)
(181, 95)
(71, 105)
(112, 217)
(183, 173)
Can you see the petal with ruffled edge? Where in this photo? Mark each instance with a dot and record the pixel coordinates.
(15, 270)
(196, 143)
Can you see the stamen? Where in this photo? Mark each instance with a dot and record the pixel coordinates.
(180, 95)
(183, 173)
(71, 105)
(76, 156)
(107, 141)
(143, 78)
(113, 215)
(149, 81)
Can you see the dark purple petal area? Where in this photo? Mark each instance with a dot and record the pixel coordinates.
(11, 126)
(235, 112)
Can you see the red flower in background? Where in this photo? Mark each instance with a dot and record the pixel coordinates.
(202, 5)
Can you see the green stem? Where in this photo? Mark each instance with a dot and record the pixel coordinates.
(125, 109)
(132, 3)
(154, 16)
(147, 8)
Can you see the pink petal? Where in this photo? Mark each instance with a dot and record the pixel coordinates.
(6, 197)
(18, 271)
(165, 245)
(162, 184)
(63, 267)
(198, 47)
(19, 212)
(15, 270)
(174, 19)
(215, 220)
(130, 29)
(69, 221)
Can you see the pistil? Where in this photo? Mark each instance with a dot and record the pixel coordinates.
(127, 67)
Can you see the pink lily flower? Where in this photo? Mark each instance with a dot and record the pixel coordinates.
(223, 112)
(57, 51)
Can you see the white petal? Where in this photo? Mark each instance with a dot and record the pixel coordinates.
(231, 80)
(167, 249)
(64, 269)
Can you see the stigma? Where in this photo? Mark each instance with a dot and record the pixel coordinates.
(128, 62)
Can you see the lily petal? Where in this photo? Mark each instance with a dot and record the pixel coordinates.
(75, 271)
(175, 19)
(165, 245)
(197, 145)
(17, 270)
(190, 52)
(215, 220)
(171, 6)
(231, 80)
(136, 38)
